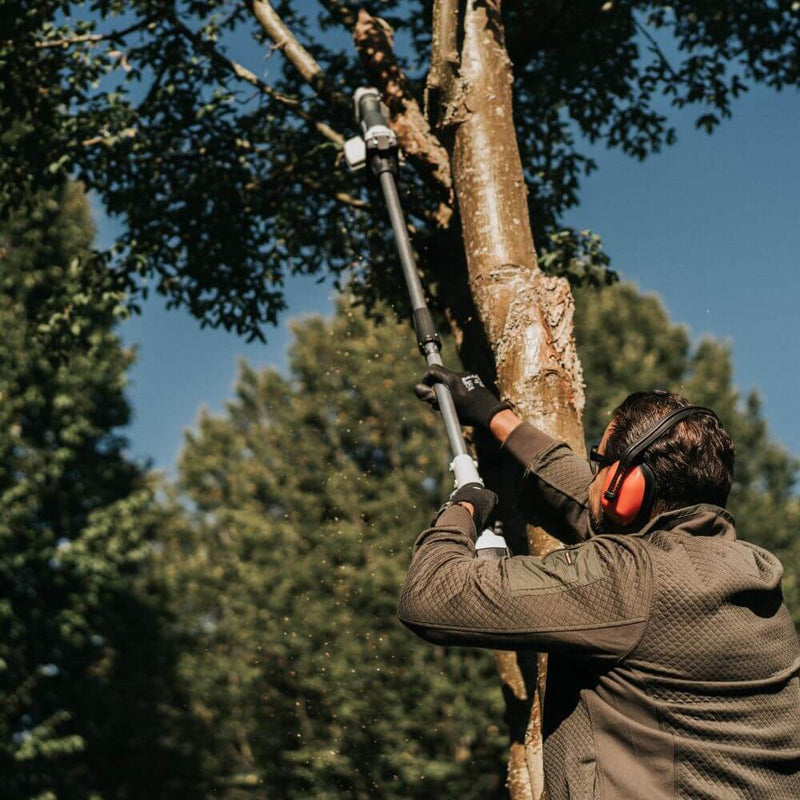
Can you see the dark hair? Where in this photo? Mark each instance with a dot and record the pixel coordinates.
(692, 463)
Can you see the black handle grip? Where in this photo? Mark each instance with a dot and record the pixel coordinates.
(370, 112)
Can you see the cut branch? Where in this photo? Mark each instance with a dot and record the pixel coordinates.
(301, 59)
(246, 75)
(374, 40)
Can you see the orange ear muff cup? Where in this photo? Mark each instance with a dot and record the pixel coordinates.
(627, 505)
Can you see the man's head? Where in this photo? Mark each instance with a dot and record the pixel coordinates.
(691, 463)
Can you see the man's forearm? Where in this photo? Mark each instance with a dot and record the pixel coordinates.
(502, 424)
(586, 600)
(547, 487)
(554, 484)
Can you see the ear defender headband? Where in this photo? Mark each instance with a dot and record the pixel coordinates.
(629, 485)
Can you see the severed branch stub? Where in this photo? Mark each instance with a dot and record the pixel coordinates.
(441, 86)
(374, 41)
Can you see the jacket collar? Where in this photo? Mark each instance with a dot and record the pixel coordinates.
(700, 520)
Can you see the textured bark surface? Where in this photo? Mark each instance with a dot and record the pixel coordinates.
(526, 316)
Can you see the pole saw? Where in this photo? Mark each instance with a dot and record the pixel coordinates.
(377, 148)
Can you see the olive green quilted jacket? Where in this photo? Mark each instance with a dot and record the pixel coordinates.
(674, 663)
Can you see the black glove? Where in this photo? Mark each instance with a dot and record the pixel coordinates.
(483, 501)
(475, 404)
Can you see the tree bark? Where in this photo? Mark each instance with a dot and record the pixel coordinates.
(526, 315)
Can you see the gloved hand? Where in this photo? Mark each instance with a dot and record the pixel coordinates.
(482, 500)
(475, 404)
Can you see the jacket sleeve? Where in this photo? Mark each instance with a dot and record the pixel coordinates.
(590, 600)
(553, 488)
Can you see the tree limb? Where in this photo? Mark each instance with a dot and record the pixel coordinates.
(655, 48)
(374, 40)
(246, 75)
(301, 59)
(91, 38)
(526, 316)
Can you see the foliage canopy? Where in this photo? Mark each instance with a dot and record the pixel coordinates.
(225, 185)
(82, 664)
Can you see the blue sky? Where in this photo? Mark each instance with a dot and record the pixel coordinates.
(712, 225)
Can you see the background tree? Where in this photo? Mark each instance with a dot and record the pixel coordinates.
(308, 491)
(226, 178)
(82, 666)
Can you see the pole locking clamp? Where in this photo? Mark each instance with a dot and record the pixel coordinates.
(376, 135)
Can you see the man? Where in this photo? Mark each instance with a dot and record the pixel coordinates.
(673, 660)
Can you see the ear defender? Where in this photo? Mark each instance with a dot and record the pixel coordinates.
(626, 495)
(628, 490)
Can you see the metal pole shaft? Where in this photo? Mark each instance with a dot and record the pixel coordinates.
(407, 262)
(416, 293)
(379, 147)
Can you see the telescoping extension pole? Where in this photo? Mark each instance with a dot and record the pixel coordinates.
(378, 148)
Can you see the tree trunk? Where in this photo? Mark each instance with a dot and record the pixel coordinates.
(526, 316)
(512, 322)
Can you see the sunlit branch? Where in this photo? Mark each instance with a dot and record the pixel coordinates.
(374, 41)
(246, 75)
(285, 41)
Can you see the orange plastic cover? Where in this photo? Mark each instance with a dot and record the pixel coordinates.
(625, 507)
